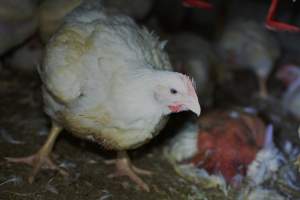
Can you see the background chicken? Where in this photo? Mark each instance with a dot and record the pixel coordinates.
(49, 22)
(26, 58)
(107, 80)
(249, 45)
(136, 9)
(18, 20)
(290, 75)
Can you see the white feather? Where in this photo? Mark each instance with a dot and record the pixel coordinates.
(267, 162)
(184, 144)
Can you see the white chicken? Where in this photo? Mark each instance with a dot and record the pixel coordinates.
(106, 80)
(248, 44)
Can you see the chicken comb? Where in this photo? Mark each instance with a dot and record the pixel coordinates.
(190, 84)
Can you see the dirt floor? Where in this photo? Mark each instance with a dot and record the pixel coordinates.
(23, 129)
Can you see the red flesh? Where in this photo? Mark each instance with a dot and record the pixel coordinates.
(229, 145)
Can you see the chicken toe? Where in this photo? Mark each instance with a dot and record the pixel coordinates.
(41, 159)
(38, 161)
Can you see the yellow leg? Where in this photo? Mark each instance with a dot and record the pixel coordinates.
(54, 132)
(41, 159)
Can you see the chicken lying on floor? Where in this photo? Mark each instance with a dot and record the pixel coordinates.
(106, 80)
(221, 144)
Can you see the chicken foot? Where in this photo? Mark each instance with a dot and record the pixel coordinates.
(125, 168)
(42, 159)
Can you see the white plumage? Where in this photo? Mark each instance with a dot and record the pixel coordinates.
(267, 161)
(184, 144)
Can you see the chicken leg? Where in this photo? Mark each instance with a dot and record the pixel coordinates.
(263, 90)
(125, 168)
(42, 159)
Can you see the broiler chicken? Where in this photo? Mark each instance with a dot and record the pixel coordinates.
(107, 80)
(249, 45)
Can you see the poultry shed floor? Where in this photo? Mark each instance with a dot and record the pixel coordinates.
(23, 129)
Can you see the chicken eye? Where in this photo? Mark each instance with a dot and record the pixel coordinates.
(173, 91)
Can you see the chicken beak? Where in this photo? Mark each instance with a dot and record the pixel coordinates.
(193, 105)
(191, 102)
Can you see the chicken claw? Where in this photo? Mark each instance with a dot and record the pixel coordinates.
(42, 159)
(38, 161)
(125, 168)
